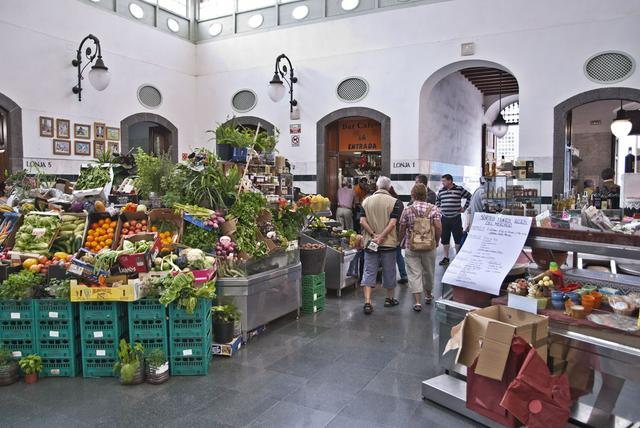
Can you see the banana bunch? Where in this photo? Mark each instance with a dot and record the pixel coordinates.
(4, 208)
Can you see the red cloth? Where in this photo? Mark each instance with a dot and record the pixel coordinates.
(536, 398)
(484, 394)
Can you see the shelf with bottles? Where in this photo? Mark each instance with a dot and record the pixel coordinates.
(506, 193)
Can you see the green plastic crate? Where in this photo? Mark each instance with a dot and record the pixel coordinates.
(190, 366)
(313, 280)
(56, 329)
(313, 307)
(313, 300)
(102, 329)
(189, 328)
(146, 309)
(314, 294)
(19, 347)
(191, 346)
(100, 348)
(155, 343)
(101, 311)
(201, 311)
(60, 367)
(16, 309)
(58, 348)
(55, 309)
(147, 329)
(98, 367)
(17, 329)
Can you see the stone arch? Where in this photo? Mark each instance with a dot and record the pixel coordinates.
(265, 125)
(148, 117)
(560, 113)
(14, 133)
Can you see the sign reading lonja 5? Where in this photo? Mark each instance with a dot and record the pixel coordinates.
(359, 135)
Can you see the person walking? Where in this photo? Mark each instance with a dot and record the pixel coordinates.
(380, 213)
(402, 267)
(346, 202)
(420, 228)
(477, 203)
(431, 195)
(449, 201)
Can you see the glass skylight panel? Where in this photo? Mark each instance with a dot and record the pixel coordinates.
(215, 8)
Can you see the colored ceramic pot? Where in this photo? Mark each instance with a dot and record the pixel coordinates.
(557, 296)
(575, 297)
(557, 304)
(597, 296)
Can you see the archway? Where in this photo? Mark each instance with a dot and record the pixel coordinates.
(324, 130)
(11, 151)
(166, 132)
(561, 127)
(252, 122)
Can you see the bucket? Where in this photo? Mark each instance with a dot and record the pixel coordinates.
(313, 260)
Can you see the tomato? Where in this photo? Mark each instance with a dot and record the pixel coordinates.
(42, 259)
(69, 258)
(133, 223)
(144, 222)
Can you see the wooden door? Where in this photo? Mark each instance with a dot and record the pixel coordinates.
(333, 164)
(4, 144)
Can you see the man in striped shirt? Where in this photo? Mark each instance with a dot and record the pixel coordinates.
(449, 201)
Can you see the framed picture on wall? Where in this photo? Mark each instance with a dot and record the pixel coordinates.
(99, 131)
(63, 128)
(61, 147)
(98, 148)
(113, 133)
(46, 127)
(82, 148)
(81, 131)
(113, 146)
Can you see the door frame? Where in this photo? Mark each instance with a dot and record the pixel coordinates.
(265, 125)
(148, 117)
(343, 113)
(14, 134)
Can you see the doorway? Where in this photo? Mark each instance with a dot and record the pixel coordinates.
(10, 136)
(151, 132)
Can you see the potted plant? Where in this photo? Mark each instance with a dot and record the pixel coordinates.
(8, 367)
(130, 368)
(157, 367)
(31, 365)
(224, 319)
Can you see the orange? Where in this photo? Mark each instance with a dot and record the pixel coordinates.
(108, 241)
(89, 232)
(101, 221)
(95, 226)
(154, 229)
(110, 231)
(89, 238)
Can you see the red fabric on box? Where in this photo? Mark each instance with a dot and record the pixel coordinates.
(484, 394)
(536, 398)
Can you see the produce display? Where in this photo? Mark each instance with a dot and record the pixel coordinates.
(69, 239)
(100, 234)
(132, 227)
(93, 178)
(36, 233)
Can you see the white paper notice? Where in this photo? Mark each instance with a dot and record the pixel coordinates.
(523, 303)
(489, 253)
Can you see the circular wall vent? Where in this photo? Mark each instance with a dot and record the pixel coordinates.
(609, 67)
(149, 96)
(244, 100)
(352, 89)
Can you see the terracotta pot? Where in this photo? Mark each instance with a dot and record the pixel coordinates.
(9, 374)
(31, 378)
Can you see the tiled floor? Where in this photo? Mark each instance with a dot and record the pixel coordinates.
(338, 368)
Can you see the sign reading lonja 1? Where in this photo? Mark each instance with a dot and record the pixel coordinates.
(359, 135)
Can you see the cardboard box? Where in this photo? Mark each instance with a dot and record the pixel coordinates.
(157, 215)
(122, 290)
(141, 262)
(486, 334)
(100, 192)
(84, 270)
(94, 217)
(126, 217)
(227, 349)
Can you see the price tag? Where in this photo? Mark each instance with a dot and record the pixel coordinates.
(17, 354)
(38, 231)
(187, 352)
(315, 296)
(53, 315)
(54, 334)
(101, 353)
(128, 188)
(15, 315)
(75, 269)
(55, 372)
(98, 334)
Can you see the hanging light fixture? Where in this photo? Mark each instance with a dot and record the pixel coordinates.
(621, 125)
(276, 86)
(499, 127)
(99, 76)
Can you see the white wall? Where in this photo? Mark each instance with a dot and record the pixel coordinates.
(543, 43)
(40, 38)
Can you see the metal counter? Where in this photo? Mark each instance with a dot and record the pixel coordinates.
(336, 265)
(262, 297)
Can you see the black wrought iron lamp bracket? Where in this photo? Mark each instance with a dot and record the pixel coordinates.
(91, 53)
(282, 70)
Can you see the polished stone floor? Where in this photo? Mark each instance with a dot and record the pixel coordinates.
(337, 368)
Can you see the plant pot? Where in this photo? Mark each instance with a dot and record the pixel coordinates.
(138, 378)
(223, 332)
(9, 374)
(313, 260)
(31, 378)
(157, 375)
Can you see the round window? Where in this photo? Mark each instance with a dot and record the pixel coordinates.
(215, 29)
(173, 25)
(136, 11)
(349, 4)
(300, 12)
(255, 21)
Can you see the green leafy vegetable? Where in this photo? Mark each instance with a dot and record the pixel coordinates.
(59, 288)
(151, 170)
(20, 285)
(246, 209)
(181, 289)
(93, 178)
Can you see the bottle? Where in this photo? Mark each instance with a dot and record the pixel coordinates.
(487, 169)
(493, 168)
(556, 275)
(604, 200)
(597, 199)
(578, 204)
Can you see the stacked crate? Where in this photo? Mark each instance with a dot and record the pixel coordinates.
(57, 337)
(18, 327)
(313, 293)
(148, 324)
(190, 339)
(102, 325)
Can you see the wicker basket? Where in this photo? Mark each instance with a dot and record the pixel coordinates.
(9, 374)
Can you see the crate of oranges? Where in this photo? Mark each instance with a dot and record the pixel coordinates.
(101, 232)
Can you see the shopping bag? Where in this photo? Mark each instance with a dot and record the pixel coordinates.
(485, 394)
(537, 398)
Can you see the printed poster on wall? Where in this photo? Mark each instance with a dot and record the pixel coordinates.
(489, 252)
(359, 135)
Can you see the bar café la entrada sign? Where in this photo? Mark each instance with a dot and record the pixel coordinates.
(359, 135)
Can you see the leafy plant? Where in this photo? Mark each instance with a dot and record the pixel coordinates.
(196, 237)
(225, 314)
(106, 157)
(19, 285)
(155, 358)
(181, 289)
(6, 357)
(93, 178)
(246, 209)
(236, 135)
(31, 364)
(151, 170)
(59, 288)
(131, 358)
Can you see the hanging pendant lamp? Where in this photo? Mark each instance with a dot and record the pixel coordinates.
(621, 125)
(499, 127)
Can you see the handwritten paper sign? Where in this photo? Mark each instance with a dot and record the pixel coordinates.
(490, 251)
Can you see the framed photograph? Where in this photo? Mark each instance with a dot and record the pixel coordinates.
(46, 127)
(113, 146)
(113, 133)
(81, 131)
(61, 147)
(99, 131)
(63, 128)
(82, 148)
(98, 148)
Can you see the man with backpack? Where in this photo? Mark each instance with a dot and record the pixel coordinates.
(420, 226)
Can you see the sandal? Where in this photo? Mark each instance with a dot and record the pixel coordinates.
(417, 307)
(368, 309)
(390, 302)
(428, 299)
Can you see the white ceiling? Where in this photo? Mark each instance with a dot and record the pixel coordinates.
(605, 111)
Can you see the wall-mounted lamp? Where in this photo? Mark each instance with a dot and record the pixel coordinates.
(99, 74)
(276, 87)
(621, 125)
